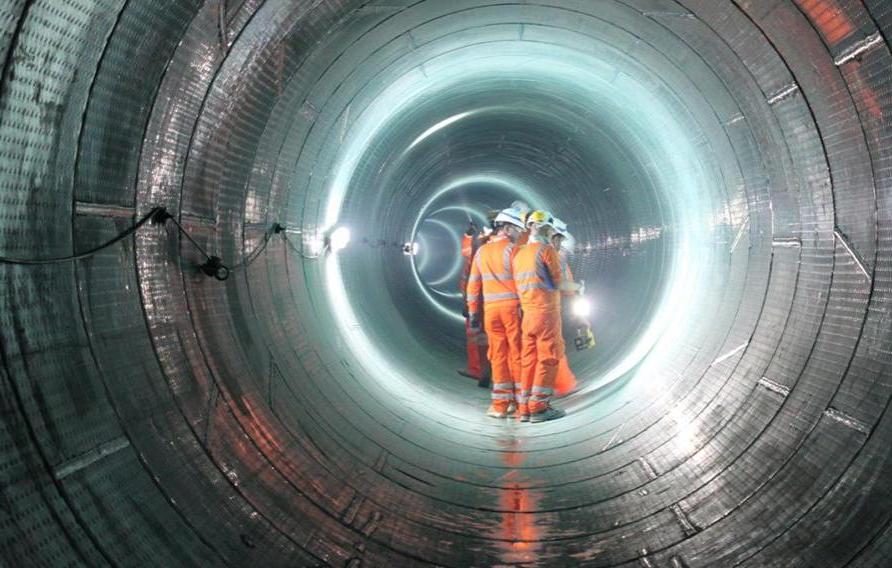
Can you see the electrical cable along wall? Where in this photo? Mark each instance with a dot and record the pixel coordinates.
(723, 166)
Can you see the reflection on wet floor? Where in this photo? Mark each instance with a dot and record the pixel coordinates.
(519, 537)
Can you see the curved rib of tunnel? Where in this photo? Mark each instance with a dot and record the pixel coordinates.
(724, 168)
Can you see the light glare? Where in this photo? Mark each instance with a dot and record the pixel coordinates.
(315, 244)
(339, 238)
(582, 307)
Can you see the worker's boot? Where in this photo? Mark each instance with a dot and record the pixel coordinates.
(494, 412)
(547, 414)
(523, 411)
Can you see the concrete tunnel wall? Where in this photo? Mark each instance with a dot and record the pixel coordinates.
(305, 412)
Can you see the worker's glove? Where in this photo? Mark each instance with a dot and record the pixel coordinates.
(464, 311)
(474, 322)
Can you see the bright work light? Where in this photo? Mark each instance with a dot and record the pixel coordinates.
(582, 307)
(339, 238)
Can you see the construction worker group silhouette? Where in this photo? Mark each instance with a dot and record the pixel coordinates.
(514, 280)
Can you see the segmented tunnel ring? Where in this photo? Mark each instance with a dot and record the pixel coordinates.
(728, 157)
(473, 216)
(515, 187)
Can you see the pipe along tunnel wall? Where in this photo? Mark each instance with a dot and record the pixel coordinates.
(725, 168)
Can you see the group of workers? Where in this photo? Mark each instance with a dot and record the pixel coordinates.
(513, 285)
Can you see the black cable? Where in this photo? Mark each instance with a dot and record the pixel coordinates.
(300, 252)
(187, 235)
(254, 254)
(213, 266)
(129, 231)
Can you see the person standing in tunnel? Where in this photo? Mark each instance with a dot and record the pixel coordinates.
(477, 363)
(491, 290)
(537, 272)
(565, 380)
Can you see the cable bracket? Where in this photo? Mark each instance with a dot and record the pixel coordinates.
(783, 93)
(774, 387)
(847, 420)
(858, 48)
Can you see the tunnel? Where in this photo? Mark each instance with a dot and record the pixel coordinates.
(230, 252)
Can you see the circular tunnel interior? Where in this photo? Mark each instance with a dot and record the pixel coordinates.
(724, 168)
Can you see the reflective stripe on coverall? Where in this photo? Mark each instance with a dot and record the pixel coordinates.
(537, 272)
(491, 286)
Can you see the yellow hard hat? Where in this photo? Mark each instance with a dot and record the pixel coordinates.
(541, 217)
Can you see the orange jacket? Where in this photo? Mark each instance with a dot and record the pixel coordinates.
(469, 246)
(567, 285)
(491, 280)
(467, 252)
(538, 274)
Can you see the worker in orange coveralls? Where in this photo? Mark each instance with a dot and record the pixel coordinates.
(478, 365)
(537, 272)
(491, 290)
(565, 381)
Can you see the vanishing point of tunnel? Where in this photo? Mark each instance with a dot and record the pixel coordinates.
(230, 248)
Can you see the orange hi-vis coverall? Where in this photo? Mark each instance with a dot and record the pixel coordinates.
(537, 272)
(491, 287)
(565, 381)
(475, 339)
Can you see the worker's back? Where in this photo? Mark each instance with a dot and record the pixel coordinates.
(537, 275)
(491, 279)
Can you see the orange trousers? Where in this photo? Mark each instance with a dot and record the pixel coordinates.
(542, 347)
(502, 325)
(565, 381)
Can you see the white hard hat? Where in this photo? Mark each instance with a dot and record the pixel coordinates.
(560, 228)
(511, 216)
(522, 210)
